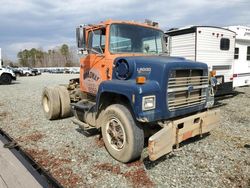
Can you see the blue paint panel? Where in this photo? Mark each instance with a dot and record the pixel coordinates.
(157, 70)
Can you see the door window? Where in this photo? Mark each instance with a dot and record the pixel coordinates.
(97, 40)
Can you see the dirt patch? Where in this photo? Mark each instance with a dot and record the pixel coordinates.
(66, 177)
(99, 142)
(33, 137)
(135, 164)
(3, 115)
(57, 167)
(69, 151)
(237, 140)
(115, 169)
(139, 178)
(237, 178)
(25, 124)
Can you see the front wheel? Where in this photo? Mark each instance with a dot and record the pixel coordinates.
(5, 79)
(123, 137)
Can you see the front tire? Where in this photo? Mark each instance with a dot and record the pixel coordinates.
(123, 137)
(6, 79)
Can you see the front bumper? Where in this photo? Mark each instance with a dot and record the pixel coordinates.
(179, 130)
(224, 89)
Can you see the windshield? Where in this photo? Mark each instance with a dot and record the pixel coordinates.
(126, 38)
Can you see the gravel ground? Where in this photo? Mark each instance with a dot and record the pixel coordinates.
(79, 159)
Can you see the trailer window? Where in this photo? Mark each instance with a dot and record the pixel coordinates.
(236, 53)
(224, 44)
(248, 53)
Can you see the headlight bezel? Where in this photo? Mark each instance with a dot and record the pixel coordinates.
(149, 97)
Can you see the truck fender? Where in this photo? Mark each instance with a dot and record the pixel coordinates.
(127, 92)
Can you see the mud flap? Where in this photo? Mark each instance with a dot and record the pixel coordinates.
(176, 131)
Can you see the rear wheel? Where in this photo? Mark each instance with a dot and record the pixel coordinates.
(6, 79)
(18, 74)
(64, 101)
(123, 138)
(51, 103)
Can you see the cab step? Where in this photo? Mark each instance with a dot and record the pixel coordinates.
(83, 106)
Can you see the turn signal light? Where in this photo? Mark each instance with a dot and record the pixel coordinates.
(212, 73)
(140, 80)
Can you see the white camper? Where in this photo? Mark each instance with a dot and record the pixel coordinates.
(241, 65)
(211, 45)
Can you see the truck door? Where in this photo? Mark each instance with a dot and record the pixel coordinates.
(93, 65)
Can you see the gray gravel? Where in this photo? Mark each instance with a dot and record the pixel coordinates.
(76, 159)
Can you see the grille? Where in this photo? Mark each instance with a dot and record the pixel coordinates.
(186, 88)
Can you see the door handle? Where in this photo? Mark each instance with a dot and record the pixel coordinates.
(108, 73)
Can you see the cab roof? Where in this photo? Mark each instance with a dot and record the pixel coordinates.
(109, 22)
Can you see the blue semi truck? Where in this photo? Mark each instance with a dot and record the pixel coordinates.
(131, 91)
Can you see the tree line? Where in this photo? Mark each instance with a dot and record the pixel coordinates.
(62, 56)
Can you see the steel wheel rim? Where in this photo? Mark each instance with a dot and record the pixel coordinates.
(115, 134)
(46, 104)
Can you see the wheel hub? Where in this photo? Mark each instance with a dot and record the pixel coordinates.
(115, 133)
(46, 104)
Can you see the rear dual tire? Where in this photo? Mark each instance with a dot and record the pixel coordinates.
(56, 102)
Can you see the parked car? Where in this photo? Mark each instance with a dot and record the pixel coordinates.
(74, 70)
(35, 72)
(6, 75)
(18, 72)
(27, 71)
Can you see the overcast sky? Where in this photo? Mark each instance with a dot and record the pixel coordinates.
(46, 24)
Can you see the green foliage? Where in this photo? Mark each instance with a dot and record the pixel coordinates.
(64, 50)
(39, 58)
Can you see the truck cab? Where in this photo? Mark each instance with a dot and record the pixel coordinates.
(128, 84)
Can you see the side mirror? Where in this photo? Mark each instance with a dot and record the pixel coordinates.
(80, 38)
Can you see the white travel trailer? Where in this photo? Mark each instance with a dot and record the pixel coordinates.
(211, 45)
(241, 65)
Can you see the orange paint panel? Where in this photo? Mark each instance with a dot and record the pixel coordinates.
(96, 68)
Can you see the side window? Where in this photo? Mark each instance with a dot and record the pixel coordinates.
(152, 45)
(236, 53)
(248, 53)
(96, 41)
(224, 44)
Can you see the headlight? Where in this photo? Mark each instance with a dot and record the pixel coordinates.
(148, 102)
